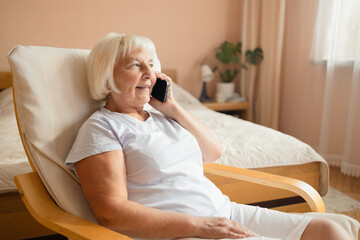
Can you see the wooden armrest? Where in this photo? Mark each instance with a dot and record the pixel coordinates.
(307, 192)
(45, 211)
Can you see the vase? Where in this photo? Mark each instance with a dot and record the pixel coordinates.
(226, 89)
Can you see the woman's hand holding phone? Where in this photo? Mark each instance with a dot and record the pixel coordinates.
(160, 90)
(168, 106)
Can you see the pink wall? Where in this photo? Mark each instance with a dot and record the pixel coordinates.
(184, 31)
(303, 83)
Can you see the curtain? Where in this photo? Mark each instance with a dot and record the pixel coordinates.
(262, 25)
(336, 45)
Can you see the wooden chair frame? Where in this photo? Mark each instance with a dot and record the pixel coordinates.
(46, 212)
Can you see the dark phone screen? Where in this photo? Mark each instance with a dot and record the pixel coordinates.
(160, 90)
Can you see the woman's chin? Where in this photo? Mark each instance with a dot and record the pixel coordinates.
(144, 100)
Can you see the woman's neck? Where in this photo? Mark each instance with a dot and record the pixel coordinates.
(138, 113)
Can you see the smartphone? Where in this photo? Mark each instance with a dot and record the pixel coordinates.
(160, 90)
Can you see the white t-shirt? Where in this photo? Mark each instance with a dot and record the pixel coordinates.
(163, 162)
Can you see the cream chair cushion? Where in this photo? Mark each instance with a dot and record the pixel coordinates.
(52, 101)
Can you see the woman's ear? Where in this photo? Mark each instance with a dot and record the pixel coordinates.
(108, 86)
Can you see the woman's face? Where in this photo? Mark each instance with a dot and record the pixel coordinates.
(134, 77)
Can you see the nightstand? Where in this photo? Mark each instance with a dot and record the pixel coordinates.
(232, 108)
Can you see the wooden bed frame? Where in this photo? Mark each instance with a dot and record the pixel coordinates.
(17, 223)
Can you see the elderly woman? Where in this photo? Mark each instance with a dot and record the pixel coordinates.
(142, 172)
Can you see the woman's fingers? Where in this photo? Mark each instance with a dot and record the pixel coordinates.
(223, 228)
(163, 76)
(167, 106)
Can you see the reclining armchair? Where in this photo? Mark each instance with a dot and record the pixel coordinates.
(52, 101)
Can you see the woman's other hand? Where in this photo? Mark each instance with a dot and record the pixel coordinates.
(214, 227)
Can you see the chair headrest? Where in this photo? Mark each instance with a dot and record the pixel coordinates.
(52, 101)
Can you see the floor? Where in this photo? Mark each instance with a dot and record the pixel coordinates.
(348, 185)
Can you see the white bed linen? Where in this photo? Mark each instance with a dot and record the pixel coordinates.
(13, 160)
(249, 145)
(246, 144)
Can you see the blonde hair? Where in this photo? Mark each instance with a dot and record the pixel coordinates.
(106, 52)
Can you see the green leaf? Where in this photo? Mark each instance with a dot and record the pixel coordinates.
(254, 57)
(228, 75)
(230, 53)
(227, 52)
(238, 47)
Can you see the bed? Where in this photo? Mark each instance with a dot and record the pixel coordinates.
(246, 145)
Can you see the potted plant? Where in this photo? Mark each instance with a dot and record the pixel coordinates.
(229, 55)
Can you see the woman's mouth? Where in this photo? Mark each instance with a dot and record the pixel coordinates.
(143, 87)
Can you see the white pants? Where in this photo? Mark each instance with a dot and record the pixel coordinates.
(268, 223)
(275, 225)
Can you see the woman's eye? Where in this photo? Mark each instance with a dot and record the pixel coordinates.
(134, 65)
(151, 65)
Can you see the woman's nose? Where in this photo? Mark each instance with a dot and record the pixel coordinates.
(148, 71)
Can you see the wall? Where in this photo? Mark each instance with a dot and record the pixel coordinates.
(185, 31)
(303, 84)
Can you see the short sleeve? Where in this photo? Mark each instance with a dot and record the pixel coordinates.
(95, 136)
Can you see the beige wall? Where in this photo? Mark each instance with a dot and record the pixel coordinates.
(184, 31)
(303, 83)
